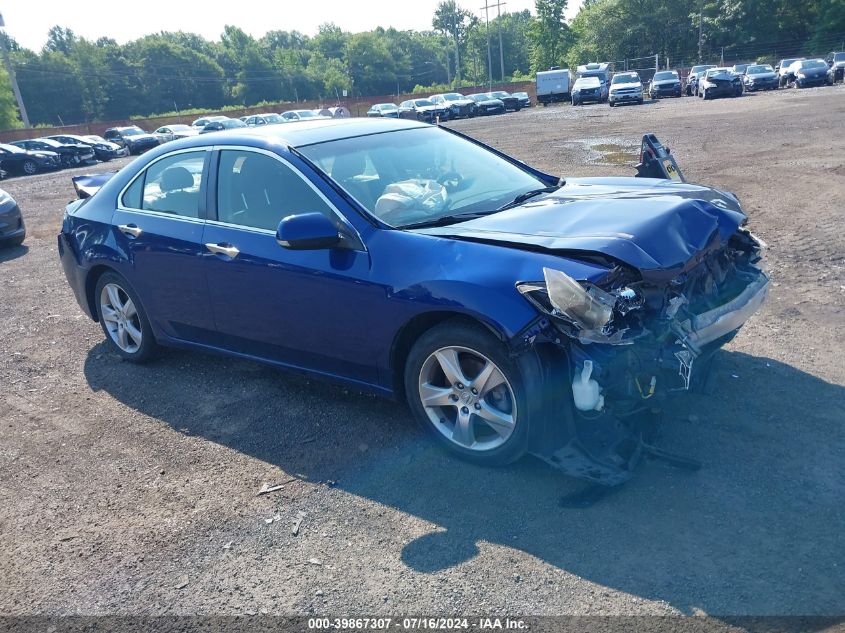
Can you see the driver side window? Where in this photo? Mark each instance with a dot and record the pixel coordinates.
(256, 190)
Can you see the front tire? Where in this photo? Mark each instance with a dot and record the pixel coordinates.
(29, 167)
(123, 319)
(465, 389)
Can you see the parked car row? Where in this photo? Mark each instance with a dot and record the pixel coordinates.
(710, 81)
(452, 105)
(31, 156)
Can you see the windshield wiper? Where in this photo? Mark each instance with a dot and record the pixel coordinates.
(446, 219)
(528, 195)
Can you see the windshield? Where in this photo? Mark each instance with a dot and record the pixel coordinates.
(625, 79)
(50, 142)
(304, 114)
(663, 76)
(385, 106)
(756, 70)
(132, 131)
(423, 102)
(233, 123)
(179, 128)
(698, 69)
(586, 82)
(453, 96)
(839, 57)
(521, 95)
(499, 94)
(273, 118)
(12, 149)
(813, 63)
(420, 175)
(787, 62)
(98, 139)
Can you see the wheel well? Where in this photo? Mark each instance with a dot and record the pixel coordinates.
(412, 331)
(91, 285)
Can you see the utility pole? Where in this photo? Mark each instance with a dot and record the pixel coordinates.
(501, 50)
(722, 57)
(486, 8)
(457, 58)
(700, 32)
(12, 78)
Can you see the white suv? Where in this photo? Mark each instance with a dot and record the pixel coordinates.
(625, 88)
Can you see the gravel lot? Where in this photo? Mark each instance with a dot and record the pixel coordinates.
(133, 490)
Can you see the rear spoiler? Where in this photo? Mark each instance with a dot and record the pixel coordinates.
(86, 186)
(656, 161)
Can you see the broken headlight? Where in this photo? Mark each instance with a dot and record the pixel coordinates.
(583, 310)
(587, 307)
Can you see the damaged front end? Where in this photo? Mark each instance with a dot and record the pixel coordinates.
(630, 341)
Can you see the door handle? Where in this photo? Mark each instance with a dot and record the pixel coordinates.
(223, 249)
(130, 229)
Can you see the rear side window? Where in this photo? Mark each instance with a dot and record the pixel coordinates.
(170, 185)
(132, 196)
(257, 191)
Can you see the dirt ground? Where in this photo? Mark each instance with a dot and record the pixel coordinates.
(133, 490)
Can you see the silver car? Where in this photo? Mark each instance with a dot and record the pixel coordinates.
(168, 133)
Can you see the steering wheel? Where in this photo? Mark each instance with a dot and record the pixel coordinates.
(451, 180)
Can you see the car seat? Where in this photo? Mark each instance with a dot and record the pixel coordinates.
(173, 184)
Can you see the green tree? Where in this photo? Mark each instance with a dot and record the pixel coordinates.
(549, 34)
(454, 22)
(8, 106)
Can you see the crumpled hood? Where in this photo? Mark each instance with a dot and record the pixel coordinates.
(657, 226)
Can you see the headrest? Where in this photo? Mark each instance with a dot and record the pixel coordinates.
(175, 178)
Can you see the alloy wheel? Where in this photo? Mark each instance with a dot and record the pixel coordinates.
(467, 398)
(29, 167)
(121, 319)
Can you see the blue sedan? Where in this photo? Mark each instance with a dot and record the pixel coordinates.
(515, 312)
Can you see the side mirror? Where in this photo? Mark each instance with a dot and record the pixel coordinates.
(307, 232)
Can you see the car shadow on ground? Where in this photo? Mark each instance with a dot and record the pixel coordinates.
(756, 531)
(7, 254)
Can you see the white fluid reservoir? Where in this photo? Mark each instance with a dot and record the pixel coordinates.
(585, 391)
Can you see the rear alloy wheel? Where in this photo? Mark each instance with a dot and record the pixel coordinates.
(29, 167)
(123, 319)
(464, 388)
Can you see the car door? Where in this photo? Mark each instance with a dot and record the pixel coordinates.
(158, 225)
(297, 307)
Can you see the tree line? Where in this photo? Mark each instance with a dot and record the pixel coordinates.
(73, 79)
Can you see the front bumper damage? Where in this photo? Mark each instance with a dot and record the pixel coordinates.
(636, 380)
(657, 341)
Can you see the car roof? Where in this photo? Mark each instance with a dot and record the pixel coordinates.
(303, 133)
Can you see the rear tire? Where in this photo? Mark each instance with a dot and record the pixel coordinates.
(476, 403)
(123, 319)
